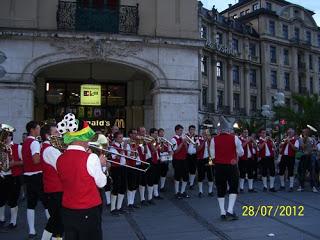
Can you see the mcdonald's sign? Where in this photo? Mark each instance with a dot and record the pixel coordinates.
(119, 123)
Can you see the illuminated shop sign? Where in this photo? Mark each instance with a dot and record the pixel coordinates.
(90, 94)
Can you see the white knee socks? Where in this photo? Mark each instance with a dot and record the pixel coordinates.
(120, 200)
(272, 182)
(191, 179)
(113, 202)
(30, 217)
(108, 197)
(282, 181)
(241, 183)
(141, 191)
(150, 192)
(232, 201)
(264, 180)
(210, 185)
(2, 213)
(250, 183)
(176, 186)
(46, 235)
(291, 181)
(156, 190)
(221, 205)
(183, 187)
(14, 213)
(200, 184)
(162, 182)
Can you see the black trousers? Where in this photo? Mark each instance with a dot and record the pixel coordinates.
(153, 174)
(267, 164)
(164, 168)
(192, 163)
(180, 170)
(204, 169)
(82, 224)
(133, 179)
(9, 190)
(54, 224)
(108, 186)
(143, 176)
(35, 191)
(225, 173)
(286, 162)
(246, 167)
(119, 180)
(303, 167)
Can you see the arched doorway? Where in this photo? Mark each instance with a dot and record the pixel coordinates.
(125, 94)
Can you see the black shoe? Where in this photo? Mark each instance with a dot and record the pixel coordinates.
(178, 196)
(12, 226)
(272, 190)
(151, 202)
(144, 203)
(223, 217)
(252, 191)
(114, 213)
(291, 189)
(108, 205)
(191, 187)
(200, 194)
(32, 236)
(185, 195)
(135, 206)
(158, 198)
(130, 208)
(231, 217)
(241, 190)
(2, 223)
(163, 189)
(282, 188)
(210, 194)
(122, 211)
(265, 189)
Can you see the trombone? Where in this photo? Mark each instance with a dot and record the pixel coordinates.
(100, 148)
(189, 140)
(164, 140)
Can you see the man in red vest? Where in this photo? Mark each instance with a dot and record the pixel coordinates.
(81, 175)
(179, 162)
(165, 157)
(32, 174)
(51, 183)
(288, 150)
(225, 148)
(10, 184)
(144, 154)
(192, 156)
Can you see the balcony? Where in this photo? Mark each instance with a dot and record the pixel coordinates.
(300, 43)
(73, 16)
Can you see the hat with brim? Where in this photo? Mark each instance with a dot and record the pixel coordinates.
(83, 135)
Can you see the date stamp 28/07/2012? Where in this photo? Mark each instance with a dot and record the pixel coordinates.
(272, 211)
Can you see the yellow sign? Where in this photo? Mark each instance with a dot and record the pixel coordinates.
(106, 123)
(90, 95)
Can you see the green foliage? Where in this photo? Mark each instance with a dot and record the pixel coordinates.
(253, 125)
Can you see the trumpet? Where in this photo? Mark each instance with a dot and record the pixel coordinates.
(189, 140)
(5, 149)
(163, 140)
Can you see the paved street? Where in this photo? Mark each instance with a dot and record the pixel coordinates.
(196, 218)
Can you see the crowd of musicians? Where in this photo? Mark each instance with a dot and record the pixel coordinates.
(73, 182)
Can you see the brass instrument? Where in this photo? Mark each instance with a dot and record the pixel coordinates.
(164, 140)
(57, 142)
(189, 140)
(5, 149)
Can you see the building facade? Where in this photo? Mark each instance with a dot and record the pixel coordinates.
(142, 54)
(257, 49)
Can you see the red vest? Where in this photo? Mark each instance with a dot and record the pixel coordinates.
(200, 152)
(154, 154)
(16, 170)
(142, 156)
(245, 149)
(291, 151)
(117, 159)
(79, 188)
(262, 151)
(28, 164)
(182, 154)
(132, 162)
(51, 180)
(225, 149)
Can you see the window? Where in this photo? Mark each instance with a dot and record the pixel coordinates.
(311, 85)
(247, 11)
(269, 6)
(273, 54)
(273, 77)
(253, 103)
(203, 33)
(308, 37)
(204, 66)
(235, 44)
(204, 96)
(242, 13)
(285, 31)
(285, 56)
(236, 101)
(287, 81)
(220, 98)
(296, 33)
(252, 50)
(253, 78)
(219, 71)
(235, 74)
(219, 38)
(272, 28)
(310, 62)
(255, 6)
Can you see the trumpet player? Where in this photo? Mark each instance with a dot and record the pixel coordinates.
(288, 149)
(192, 155)
(179, 163)
(267, 150)
(246, 162)
(204, 167)
(51, 183)
(10, 184)
(165, 150)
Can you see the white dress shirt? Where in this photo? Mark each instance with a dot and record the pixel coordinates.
(238, 143)
(286, 150)
(50, 155)
(35, 149)
(93, 166)
(192, 148)
(174, 142)
(116, 151)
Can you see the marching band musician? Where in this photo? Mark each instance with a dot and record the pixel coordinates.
(110, 136)
(51, 183)
(10, 184)
(118, 174)
(267, 151)
(192, 156)
(165, 155)
(288, 150)
(179, 162)
(203, 166)
(246, 162)
(132, 175)
(81, 175)
(33, 174)
(225, 148)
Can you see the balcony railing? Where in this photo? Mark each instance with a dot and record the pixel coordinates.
(111, 19)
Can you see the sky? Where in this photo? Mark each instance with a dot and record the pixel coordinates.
(313, 5)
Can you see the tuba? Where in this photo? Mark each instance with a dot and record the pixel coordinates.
(57, 142)
(5, 149)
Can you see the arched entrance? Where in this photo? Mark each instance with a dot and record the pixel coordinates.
(125, 94)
